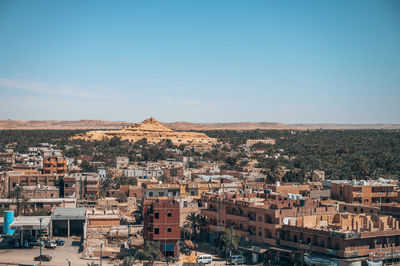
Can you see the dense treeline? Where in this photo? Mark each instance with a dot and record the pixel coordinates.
(342, 154)
(105, 150)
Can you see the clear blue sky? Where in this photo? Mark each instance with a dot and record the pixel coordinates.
(201, 61)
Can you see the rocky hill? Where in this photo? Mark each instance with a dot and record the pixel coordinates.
(152, 130)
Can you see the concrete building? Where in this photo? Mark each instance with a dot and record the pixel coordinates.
(161, 223)
(251, 142)
(54, 165)
(27, 227)
(194, 189)
(40, 204)
(345, 238)
(364, 192)
(68, 221)
(38, 192)
(148, 172)
(257, 217)
(28, 177)
(82, 185)
(122, 162)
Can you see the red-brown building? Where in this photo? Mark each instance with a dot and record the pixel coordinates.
(28, 177)
(257, 217)
(161, 223)
(55, 165)
(364, 192)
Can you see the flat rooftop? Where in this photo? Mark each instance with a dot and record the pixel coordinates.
(31, 222)
(69, 214)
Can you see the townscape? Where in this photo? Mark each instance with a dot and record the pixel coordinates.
(149, 194)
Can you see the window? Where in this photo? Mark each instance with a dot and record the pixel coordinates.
(355, 209)
(161, 194)
(150, 194)
(157, 215)
(259, 218)
(169, 229)
(259, 233)
(169, 214)
(157, 231)
(345, 208)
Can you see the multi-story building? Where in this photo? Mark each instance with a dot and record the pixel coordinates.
(364, 192)
(38, 192)
(28, 177)
(122, 162)
(257, 217)
(346, 239)
(164, 189)
(55, 165)
(161, 223)
(149, 172)
(82, 185)
(251, 142)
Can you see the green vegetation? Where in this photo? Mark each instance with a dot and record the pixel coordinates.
(230, 240)
(194, 226)
(150, 251)
(342, 154)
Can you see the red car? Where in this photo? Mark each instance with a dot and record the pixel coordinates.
(43, 258)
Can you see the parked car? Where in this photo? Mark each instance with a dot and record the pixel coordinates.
(206, 258)
(44, 257)
(238, 259)
(60, 242)
(50, 244)
(36, 243)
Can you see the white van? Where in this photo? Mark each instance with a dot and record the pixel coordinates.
(206, 258)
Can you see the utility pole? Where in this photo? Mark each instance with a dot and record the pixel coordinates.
(40, 241)
(101, 253)
(69, 263)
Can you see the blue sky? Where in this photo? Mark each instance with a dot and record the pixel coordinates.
(201, 61)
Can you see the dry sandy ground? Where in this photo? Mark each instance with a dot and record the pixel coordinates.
(60, 254)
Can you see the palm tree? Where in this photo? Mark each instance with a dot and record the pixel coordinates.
(105, 186)
(192, 221)
(138, 213)
(195, 223)
(202, 220)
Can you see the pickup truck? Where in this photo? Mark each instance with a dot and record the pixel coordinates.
(50, 244)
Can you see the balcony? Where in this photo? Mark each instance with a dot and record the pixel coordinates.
(237, 217)
(209, 213)
(243, 232)
(295, 245)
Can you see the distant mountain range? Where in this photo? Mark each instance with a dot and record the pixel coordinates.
(100, 124)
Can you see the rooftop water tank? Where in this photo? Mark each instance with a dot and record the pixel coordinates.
(354, 182)
(8, 219)
(278, 183)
